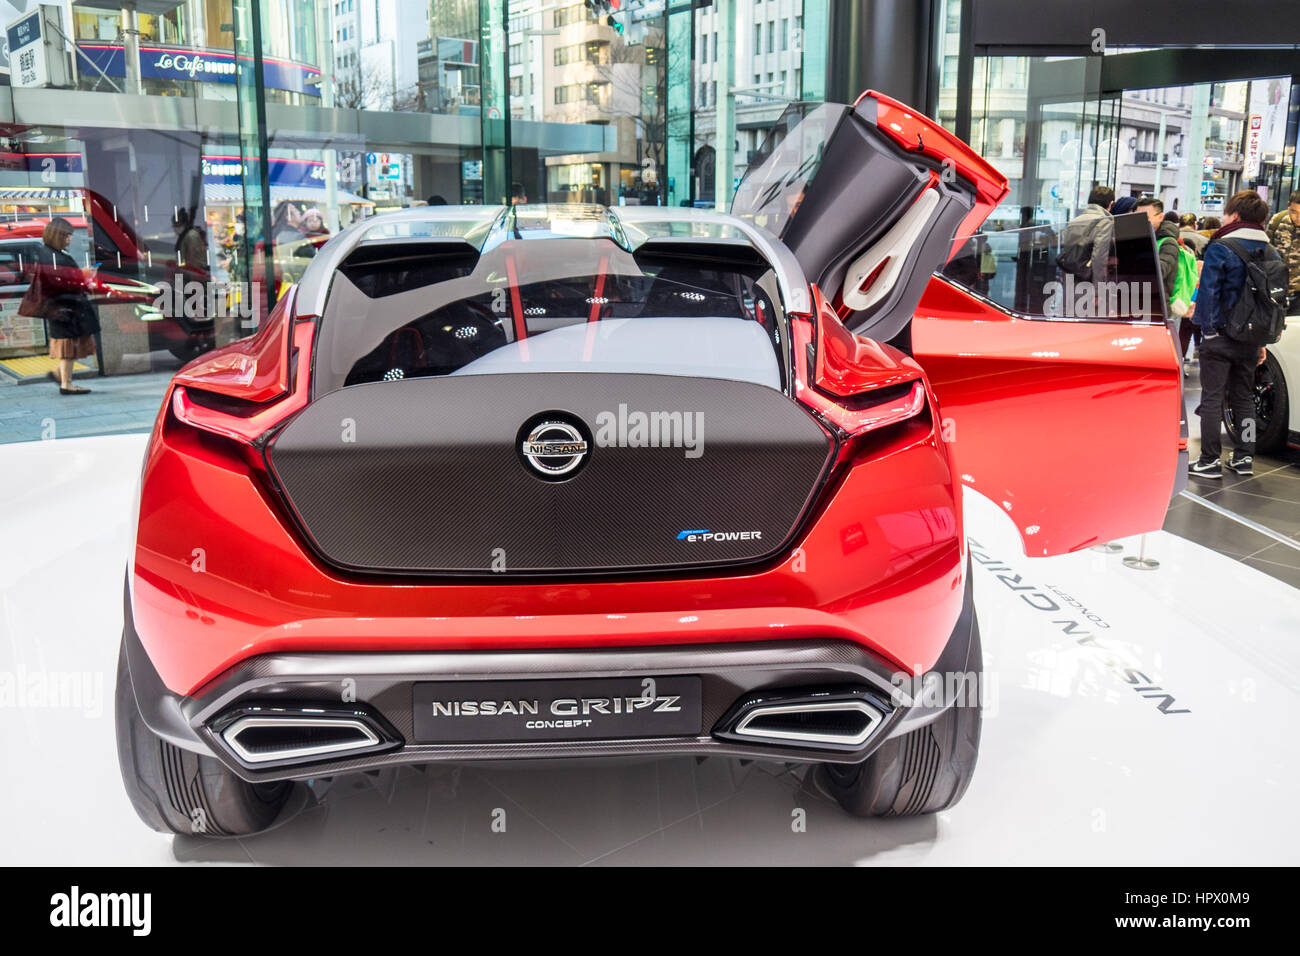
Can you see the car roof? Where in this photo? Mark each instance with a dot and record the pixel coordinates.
(483, 227)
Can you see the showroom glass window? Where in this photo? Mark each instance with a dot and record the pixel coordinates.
(200, 185)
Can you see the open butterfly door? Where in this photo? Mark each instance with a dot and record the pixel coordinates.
(1071, 421)
(872, 199)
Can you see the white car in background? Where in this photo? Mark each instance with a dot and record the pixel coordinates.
(1275, 380)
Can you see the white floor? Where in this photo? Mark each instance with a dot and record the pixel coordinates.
(1077, 767)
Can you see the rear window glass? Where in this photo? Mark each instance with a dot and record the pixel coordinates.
(781, 170)
(407, 310)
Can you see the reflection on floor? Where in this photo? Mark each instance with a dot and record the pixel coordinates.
(1078, 766)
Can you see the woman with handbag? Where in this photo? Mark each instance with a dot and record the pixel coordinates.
(57, 294)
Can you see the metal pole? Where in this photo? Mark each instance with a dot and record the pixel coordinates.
(505, 98)
(1242, 140)
(326, 90)
(1160, 153)
(966, 71)
(1195, 151)
(725, 109)
(690, 122)
(263, 153)
(131, 47)
(1139, 561)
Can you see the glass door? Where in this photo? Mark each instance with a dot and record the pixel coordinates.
(1044, 123)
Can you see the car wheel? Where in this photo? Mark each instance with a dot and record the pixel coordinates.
(924, 771)
(177, 791)
(1272, 408)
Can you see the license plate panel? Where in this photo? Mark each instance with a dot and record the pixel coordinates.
(550, 710)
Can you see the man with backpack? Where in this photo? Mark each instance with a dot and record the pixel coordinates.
(1087, 239)
(1240, 307)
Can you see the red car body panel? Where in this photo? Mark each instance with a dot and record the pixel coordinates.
(1028, 403)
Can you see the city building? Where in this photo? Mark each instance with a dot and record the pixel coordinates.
(766, 59)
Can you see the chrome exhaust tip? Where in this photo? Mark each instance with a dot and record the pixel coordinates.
(846, 722)
(259, 735)
(844, 719)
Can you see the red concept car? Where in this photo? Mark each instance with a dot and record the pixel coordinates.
(558, 481)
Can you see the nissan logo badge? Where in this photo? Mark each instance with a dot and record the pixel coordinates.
(554, 448)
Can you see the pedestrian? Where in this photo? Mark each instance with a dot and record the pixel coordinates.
(1276, 221)
(285, 223)
(1087, 240)
(1286, 240)
(191, 242)
(236, 261)
(1227, 363)
(312, 223)
(1177, 272)
(1167, 242)
(1191, 238)
(1123, 206)
(57, 294)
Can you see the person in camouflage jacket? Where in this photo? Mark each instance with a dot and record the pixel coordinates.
(1285, 235)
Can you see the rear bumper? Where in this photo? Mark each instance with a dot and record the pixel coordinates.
(378, 688)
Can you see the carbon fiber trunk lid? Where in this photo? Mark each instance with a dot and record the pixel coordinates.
(430, 475)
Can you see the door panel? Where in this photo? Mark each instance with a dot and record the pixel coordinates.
(871, 199)
(1072, 427)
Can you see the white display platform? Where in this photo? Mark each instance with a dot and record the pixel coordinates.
(1078, 764)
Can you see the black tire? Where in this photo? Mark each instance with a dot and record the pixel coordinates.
(177, 791)
(1272, 408)
(924, 771)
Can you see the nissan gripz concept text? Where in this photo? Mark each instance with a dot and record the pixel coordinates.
(550, 481)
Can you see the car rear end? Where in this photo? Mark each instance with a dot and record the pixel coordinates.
(543, 482)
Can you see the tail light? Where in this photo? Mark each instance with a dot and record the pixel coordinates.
(853, 385)
(245, 389)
